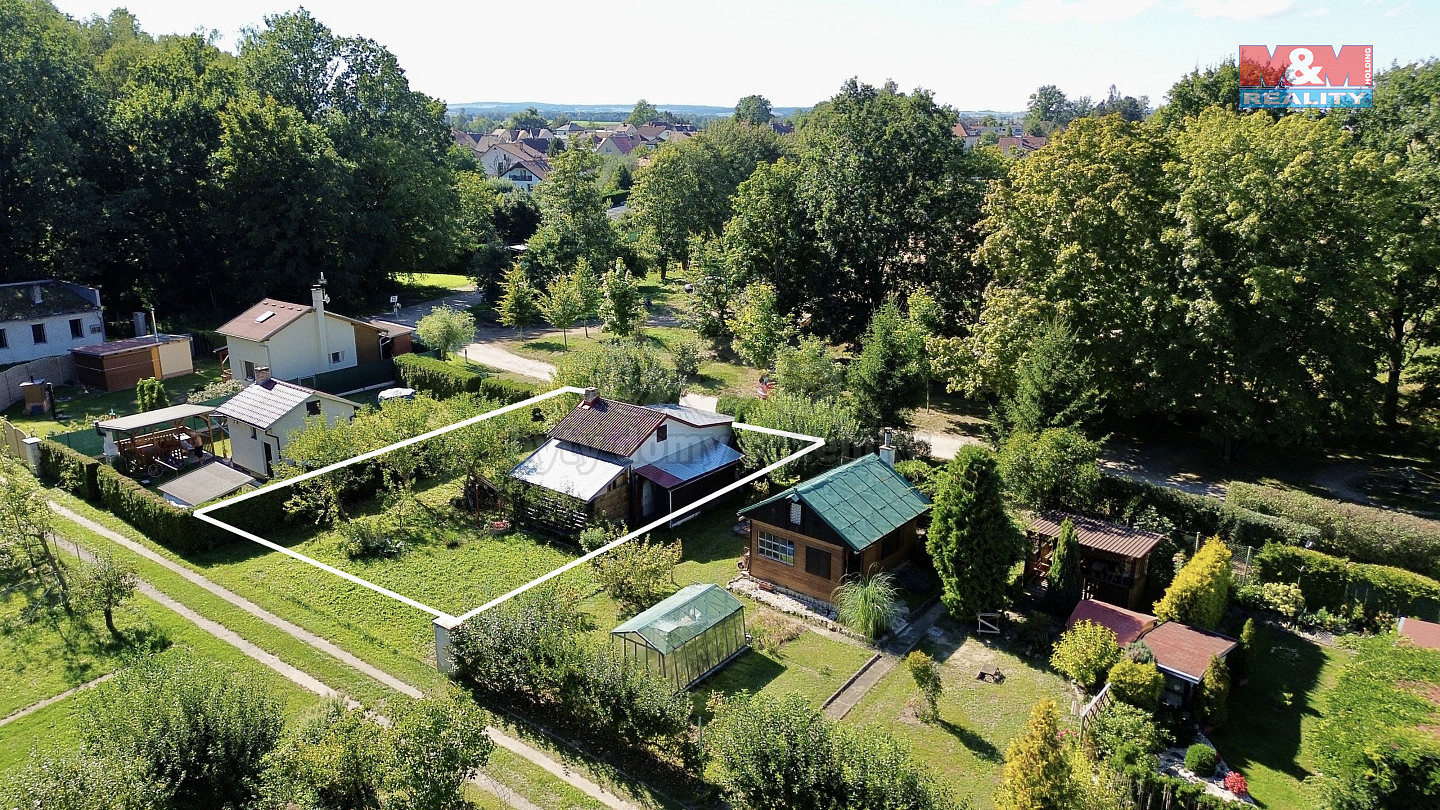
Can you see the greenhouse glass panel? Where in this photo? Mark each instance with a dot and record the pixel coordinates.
(686, 635)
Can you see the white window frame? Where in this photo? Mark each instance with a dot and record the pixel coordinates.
(775, 548)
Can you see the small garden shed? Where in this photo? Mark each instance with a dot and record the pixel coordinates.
(687, 636)
(1114, 559)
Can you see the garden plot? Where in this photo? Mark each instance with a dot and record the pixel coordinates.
(443, 577)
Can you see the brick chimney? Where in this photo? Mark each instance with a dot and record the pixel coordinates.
(591, 394)
(262, 373)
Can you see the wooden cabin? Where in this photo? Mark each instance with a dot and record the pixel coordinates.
(1114, 559)
(855, 520)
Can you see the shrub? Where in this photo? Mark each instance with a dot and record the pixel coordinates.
(1242, 660)
(869, 606)
(1139, 685)
(1054, 468)
(737, 407)
(506, 391)
(363, 538)
(927, 680)
(1139, 652)
(919, 473)
(639, 573)
(150, 394)
(1283, 597)
(1120, 727)
(686, 355)
(1201, 589)
(436, 377)
(71, 469)
(1214, 696)
(1235, 783)
(1085, 651)
(1361, 533)
(1344, 588)
(1200, 760)
(155, 517)
(1125, 499)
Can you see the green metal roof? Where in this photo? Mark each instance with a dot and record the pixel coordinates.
(668, 624)
(862, 501)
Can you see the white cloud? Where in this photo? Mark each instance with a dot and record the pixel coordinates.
(1062, 11)
(1318, 12)
(982, 3)
(1238, 9)
(1401, 9)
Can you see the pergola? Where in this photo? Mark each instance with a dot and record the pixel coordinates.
(160, 440)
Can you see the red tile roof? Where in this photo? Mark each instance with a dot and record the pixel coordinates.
(608, 425)
(1099, 535)
(1127, 624)
(1184, 650)
(1423, 633)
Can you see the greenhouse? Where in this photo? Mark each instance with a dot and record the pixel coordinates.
(687, 636)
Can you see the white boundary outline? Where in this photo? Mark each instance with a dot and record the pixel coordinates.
(443, 620)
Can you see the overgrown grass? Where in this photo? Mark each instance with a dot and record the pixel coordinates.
(1265, 737)
(55, 728)
(966, 746)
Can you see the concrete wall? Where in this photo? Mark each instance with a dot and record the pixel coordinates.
(59, 369)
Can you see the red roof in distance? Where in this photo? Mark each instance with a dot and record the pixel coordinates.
(1423, 633)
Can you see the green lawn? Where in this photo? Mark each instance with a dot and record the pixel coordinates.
(966, 748)
(82, 409)
(1265, 739)
(55, 728)
(533, 782)
(813, 665)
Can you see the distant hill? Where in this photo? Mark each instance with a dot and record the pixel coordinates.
(595, 112)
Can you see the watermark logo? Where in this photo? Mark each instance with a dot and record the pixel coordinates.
(1306, 77)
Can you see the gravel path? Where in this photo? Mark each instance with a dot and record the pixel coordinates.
(495, 356)
(311, 683)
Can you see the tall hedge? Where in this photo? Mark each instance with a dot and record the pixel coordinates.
(505, 391)
(1199, 514)
(436, 377)
(71, 468)
(1361, 533)
(1358, 590)
(155, 517)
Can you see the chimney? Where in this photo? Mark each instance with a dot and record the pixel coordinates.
(262, 373)
(318, 299)
(140, 320)
(591, 394)
(887, 450)
(37, 296)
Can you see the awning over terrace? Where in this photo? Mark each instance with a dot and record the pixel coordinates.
(163, 416)
(566, 471)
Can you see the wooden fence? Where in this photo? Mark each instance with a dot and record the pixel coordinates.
(53, 369)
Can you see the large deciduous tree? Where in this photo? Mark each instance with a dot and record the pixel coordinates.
(754, 110)
(445, 330)
(759, 327)
(573, 225)
(971, 539)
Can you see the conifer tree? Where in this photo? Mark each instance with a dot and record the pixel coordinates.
(1243, 658)
(971, 538)
(1215, 693)
(1200, 590)
(1037, 772)
(517, 301)
(1064, 578)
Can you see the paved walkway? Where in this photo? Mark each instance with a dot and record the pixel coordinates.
(307, 681)
(889, 656)
(29, 710)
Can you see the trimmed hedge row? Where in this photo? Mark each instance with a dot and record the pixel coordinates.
(1361, 533)
(70, 468)
(436, 377)
(155, 517)
(506, 391)
(1207, 516)
(1357, 590)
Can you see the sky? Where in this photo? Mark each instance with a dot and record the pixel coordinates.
(972, 54)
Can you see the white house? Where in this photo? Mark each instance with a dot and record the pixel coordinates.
(47, 318)
(527, 174)
(263, 416)
(632, 463)
(501, 156)
(294, 341)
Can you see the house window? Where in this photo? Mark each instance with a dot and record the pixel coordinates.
(4, 342)
(775, 548)
(313, 407)
(890, 545)
(336, 357)
(37, 332)
(77, 329)
(249, 370)
(254, 434)
(662, 432)
(817, 562)
(795, 513)
(95, 329)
